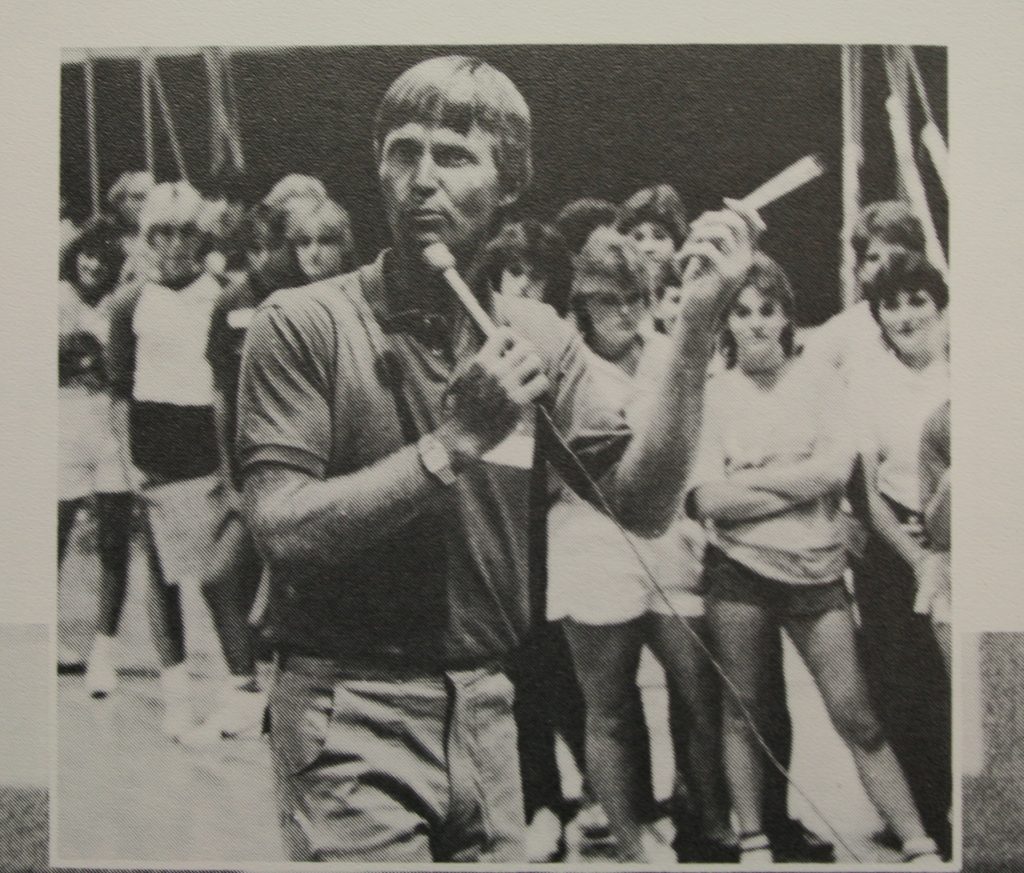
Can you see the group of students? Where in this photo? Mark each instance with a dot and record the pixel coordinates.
(154, 301)
(818, 505)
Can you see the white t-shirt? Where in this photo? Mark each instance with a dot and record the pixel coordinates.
(890, 403)
(171, 330)
(749, 427)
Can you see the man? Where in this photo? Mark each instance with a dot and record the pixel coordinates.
(392, 510)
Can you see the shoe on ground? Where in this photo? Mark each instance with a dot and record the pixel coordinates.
(755, 851)
(545, 838)
(922, 852)
(100, 675)
(656, 849)
(794, 842)
(176, 686)
(706, 850)
(592, 821)
(887, 838)
(240, 714)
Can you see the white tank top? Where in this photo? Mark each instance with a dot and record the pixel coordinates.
(171, 329)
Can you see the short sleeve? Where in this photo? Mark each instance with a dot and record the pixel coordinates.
(119, 356)
(285, 389)
(589, 410)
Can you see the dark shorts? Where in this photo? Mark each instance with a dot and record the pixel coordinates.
(729, 580)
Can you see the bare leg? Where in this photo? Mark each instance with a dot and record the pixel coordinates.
(742, 633)
(165, 619)
(114, 513)
(617, 745)
(697, 737)
(826, 643)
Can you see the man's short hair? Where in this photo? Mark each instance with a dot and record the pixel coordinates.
(458, 92)
(909, 272)
(893, 222)
(660, 204)
(577, 220)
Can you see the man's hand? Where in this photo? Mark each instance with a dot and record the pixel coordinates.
(715, 259)
(487, 396)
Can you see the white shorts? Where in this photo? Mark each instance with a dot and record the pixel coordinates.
(594, 577)
(90, 461)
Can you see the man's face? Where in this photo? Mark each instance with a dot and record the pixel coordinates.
(439, 186)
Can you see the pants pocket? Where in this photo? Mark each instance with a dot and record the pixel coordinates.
(301, 707)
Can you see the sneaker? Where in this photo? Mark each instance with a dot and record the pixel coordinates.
(240, 714)
(794, 842)
(177, 693)
(655, 847)
(922, 852)
(755, 851)
(100, 675)
(545, 838)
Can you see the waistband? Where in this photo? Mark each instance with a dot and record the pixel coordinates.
(361, 667)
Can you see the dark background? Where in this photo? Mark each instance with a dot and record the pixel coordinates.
(712, 120)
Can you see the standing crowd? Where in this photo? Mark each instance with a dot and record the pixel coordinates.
(258, 446)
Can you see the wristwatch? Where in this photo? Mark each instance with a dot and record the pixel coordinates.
(435, 459)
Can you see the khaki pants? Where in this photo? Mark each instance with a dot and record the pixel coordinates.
(383, 768)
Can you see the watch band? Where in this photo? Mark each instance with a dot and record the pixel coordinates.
(435, 459)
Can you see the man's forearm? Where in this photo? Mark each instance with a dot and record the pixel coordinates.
(798, 482)
(297, 517)
(644, 489)
(728, 502)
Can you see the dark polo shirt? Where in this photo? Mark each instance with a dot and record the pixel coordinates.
(320, 392)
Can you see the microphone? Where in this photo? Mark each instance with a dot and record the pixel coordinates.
(439, 258)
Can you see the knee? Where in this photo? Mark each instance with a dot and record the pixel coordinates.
(857, 724)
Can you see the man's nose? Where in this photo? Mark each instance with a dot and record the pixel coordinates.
(425, 175)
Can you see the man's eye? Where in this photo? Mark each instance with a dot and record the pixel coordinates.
(403, 152)
(768, 310)
(741, 311)
(453, 158)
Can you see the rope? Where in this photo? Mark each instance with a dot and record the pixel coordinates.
(655, 586)
(165, 111)
(90, 127)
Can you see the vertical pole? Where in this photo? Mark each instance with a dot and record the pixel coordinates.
(853, 161)
(146, 76)
(90, 119)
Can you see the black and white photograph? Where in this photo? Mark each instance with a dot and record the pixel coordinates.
(511, 436)
(504, 454)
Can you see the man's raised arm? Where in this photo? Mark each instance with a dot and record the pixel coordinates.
(643, 489)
